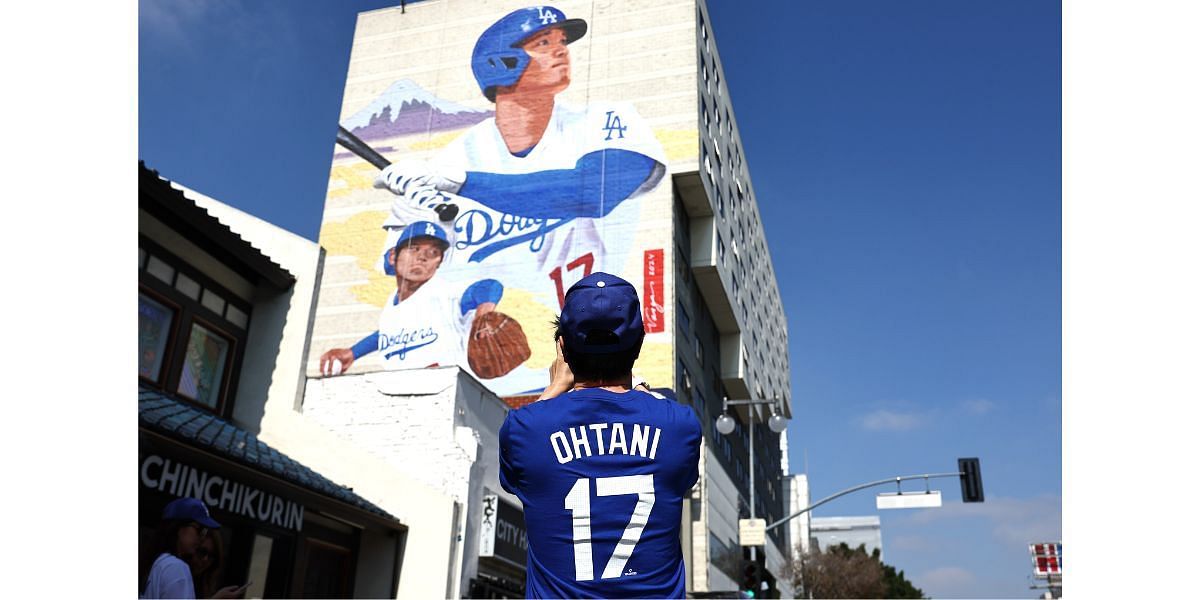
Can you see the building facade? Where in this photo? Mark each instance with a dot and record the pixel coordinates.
(214, 345)
(661, 195)
(852, 531)
(799, 529)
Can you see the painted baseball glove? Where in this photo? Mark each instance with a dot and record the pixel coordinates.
(497, 345)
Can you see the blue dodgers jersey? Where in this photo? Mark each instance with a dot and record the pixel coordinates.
(602, 476)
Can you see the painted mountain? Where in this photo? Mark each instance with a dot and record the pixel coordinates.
(407, 108)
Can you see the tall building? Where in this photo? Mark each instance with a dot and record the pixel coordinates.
(537, 144)
(852, 531)
(799, 528)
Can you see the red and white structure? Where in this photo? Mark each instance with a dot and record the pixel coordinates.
(1047, 560)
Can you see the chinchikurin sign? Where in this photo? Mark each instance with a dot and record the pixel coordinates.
(180, 479)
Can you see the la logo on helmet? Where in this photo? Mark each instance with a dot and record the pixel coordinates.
(546, 16)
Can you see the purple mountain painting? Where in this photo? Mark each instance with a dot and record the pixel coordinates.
(407, 108)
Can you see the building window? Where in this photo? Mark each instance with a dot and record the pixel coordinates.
(191, 331)
(685, 322)
(154, 335)
(204, 361)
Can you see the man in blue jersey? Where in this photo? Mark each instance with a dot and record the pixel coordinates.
(602, 469)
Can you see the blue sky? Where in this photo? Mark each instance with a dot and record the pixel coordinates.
(906, 159)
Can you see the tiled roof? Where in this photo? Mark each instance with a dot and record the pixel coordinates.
(192, 220)
(163, 414)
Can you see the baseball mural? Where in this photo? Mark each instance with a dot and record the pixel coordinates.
(519, 164)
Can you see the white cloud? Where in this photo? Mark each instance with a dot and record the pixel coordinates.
(948, 577)
(909, 542)
(173, 18)
(1017, 521)
(948, 581)
(978, 406)
(887, 420)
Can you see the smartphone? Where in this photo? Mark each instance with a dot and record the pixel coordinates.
(243, 588)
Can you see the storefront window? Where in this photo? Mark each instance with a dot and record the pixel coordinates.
(260, 560)
(154, 331)
(203, 366)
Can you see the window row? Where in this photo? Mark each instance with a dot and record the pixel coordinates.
(190, 332)
(209, 298)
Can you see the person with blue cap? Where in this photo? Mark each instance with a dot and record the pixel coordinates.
(185, 523)
(605, 467)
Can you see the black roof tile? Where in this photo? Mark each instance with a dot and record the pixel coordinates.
(160, 412)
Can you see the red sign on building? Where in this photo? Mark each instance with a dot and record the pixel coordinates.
(1047, 559)
(653, 314)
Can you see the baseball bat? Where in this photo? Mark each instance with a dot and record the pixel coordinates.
(445, 212)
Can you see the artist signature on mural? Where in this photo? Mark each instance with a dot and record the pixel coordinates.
(482, 228)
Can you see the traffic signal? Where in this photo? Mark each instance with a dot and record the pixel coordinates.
(751, 577)
(972, 481)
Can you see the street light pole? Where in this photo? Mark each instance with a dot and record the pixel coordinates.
(897, 480)
(725, 426)
(753, 549)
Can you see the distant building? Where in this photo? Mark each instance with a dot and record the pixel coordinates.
(852, 531)
(797, 497)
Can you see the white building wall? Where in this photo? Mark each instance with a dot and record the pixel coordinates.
(272, 371)
(273, 365)
(412, 428)
(831, 531)
(438, 426)
(797, 498)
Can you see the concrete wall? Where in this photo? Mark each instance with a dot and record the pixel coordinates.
(438, 426)
(269, 392)
(273, 363)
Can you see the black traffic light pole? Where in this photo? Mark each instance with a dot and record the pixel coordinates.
(970, 476)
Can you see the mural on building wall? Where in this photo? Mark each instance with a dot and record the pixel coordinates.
(495, 206)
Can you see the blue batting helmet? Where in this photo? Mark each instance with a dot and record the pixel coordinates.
(498, 58)
(415, 230)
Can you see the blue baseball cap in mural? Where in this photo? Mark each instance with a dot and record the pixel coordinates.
(416, 229)
(601, 314)
(423, 229)
(190, 509)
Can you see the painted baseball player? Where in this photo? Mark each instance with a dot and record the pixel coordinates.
(540, 183)
(426, 322)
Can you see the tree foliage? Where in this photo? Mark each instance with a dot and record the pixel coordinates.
(842, 572)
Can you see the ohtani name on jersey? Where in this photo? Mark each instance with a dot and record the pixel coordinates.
(401, 343)
(610, 438)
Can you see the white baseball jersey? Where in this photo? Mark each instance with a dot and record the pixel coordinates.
(428, 328)
(552, 252)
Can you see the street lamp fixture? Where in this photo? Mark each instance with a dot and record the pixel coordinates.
(725, 426)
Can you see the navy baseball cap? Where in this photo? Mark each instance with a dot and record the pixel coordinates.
(601, 314)
(190, 509)
(418, 229)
